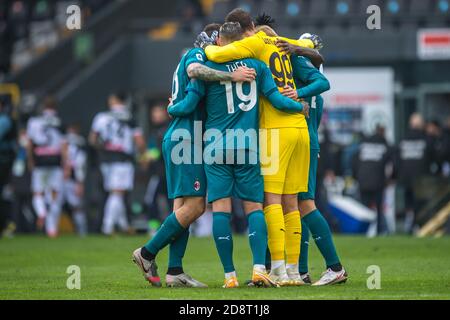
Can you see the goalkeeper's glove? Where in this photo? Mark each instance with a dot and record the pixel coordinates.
(317, 41)
(203, 40)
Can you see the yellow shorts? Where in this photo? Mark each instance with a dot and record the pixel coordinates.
(284, 155)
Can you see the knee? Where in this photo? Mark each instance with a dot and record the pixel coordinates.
(196, 206)
(222, 205)
(118, 192)
(306, 207)
(250, 207)
(289, 203)
(271, 198)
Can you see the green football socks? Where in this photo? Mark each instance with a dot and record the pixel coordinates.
(223, 239)
(257, 236)
(321, 234)
(304, 246)
(177, 250)
(168, 232)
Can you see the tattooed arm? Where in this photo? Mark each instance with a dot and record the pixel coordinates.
(202, 72)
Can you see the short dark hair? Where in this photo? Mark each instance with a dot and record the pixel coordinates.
(121, 96)
(49, 102)
(241, 16)
(265, 20)
(210, 28)
(231, 31)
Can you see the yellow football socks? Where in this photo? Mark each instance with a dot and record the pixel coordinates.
(293, 236)
(275, 230)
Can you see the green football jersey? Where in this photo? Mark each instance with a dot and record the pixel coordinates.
(304, 73)
(235, 105)
(179, 85)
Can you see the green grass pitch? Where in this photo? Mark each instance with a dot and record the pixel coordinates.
(34, 267)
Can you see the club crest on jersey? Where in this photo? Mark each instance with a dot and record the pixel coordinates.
(197, 185)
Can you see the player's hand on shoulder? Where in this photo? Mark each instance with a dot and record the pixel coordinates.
(290, 92)
(286, 47)
(243, 74)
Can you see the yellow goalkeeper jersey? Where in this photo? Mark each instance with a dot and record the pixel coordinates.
(261, 46)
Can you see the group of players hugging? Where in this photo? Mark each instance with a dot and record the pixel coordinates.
(256, 98)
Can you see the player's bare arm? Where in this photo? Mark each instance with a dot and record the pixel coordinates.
(29, 151)
(314, 55)
(202, 72)
(65, 159)
(93, 139)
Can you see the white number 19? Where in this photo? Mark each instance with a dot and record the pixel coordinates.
(248, 101)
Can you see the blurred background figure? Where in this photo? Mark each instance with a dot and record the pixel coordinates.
(23, 212)
(437, 146)
(446, 136)
(370, 172)
(8, 138)
(412, 164)
(74, 177)
(47, 155)
(155, 197)
(116, 136)
(192, 15)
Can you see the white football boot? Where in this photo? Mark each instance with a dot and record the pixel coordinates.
(148, 268)
(279, 275)
(332, 277)
(183, 280)
(294, 276)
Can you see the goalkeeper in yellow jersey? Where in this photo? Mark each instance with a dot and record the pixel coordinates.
(284, 150)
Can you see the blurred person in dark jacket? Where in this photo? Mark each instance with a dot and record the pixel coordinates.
(412, 163)
(23, 212)
(437, 145)
(446, 138)
(369, 170)
(8, 137)
(6, 47)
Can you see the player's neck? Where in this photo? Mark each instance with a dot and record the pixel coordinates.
(49, 112)
(249, 33)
